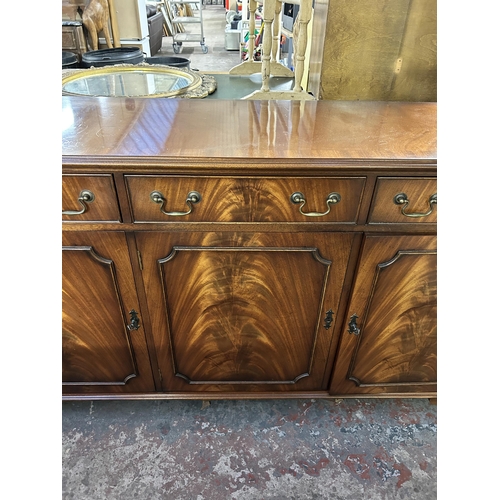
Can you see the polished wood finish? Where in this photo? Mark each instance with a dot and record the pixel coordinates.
(100, 354)
(138, 134)
(103, 208)
(227, 199)
(395, 298)
(234, 311)
(418, 192)
(234, 299)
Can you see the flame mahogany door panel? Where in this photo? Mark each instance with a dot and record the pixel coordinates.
(102, 350)
(391, 346)
(243, 312)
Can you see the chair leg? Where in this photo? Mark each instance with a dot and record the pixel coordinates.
(268, 18)
(300, 41)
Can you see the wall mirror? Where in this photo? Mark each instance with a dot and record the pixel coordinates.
(137, 80)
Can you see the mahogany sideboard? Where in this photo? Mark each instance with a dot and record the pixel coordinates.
(248, 249)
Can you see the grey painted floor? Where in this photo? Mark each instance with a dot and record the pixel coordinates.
(270, 449)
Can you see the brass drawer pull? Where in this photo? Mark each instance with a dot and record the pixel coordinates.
(192, 197)
(298, 197)
(85, 197)
(402, 199)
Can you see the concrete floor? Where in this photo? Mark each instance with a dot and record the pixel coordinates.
(250, 450)
(217, 58)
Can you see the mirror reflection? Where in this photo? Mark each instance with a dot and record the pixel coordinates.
(128, 83)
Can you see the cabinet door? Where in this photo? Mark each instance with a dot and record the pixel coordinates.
(242, 312)
(390, 347)
(102, 350)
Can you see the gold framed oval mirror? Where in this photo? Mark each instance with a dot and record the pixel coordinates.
(137, 80)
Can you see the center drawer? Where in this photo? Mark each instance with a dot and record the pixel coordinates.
(164, 198)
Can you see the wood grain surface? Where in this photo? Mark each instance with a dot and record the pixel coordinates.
(395, 299)
(417, 79)
(231, 316)
(98, 349)
(242, 311)
(234, 299)
(103, 208)
(402, 317)
(380, 51)
(418, 192)
(163, 131)
(231, 199)
(361, 47)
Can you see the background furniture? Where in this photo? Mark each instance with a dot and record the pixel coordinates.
(250, 66)
(131, 19)
(270, 47)
(73, 38)
(179, 9)
(288, 252)
(155, 28)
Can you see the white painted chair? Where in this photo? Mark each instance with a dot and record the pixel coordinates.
(250, 66)
(270, 47)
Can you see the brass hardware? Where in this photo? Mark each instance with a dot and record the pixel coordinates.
(134, 320)
(399, 63)
(298, 197)
(402, 199)
(328, 319)
(192, 197)
(84, 197)
(353, 327)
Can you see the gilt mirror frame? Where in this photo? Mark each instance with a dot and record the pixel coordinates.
(198, 86)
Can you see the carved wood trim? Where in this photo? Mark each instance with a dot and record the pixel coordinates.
(381, 266)
(175, 251)
(241, 382)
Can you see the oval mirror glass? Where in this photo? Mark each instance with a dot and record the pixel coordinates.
(130, 81)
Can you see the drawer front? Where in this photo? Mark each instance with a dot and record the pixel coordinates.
(414, 196)
(89, 198)
(244, 199)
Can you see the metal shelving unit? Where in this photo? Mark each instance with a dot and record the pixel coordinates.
(179, 36)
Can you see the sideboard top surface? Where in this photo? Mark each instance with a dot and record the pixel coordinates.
(167, 129)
